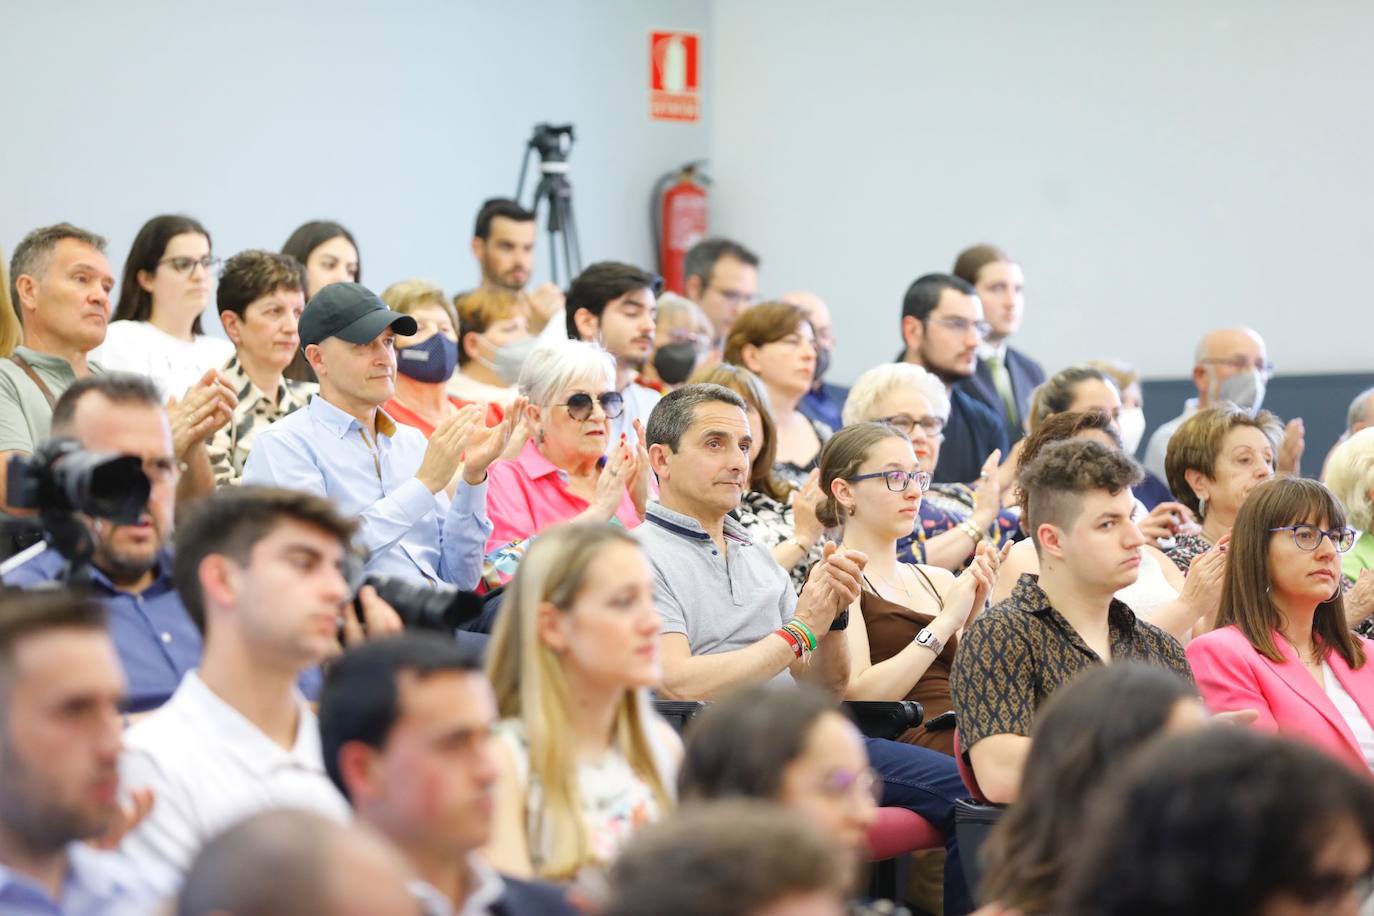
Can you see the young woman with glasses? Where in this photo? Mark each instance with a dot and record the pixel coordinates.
(954, 517)
(1282, 646)
(156, 328)
(903, 630)
(569, 470)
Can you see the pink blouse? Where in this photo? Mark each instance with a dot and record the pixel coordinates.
(528, 495)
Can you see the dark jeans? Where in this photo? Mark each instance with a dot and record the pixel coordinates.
(927, 782)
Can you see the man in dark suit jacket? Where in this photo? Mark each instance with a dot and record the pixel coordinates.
(942, 328)
(392, 714)
(1005, 377)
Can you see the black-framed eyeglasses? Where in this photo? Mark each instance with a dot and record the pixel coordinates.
(580, 405)
(932, 425)
(184, 265)
(1307, 537)
(897, 481)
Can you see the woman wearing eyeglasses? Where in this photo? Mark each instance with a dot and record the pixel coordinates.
(569, 470)
(954, 517)
(1282, 646)
(903, 630)
(156, 328)
(791, 746)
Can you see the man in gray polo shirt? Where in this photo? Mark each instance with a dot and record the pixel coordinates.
(725, 601)
(699, 447)
(60, 281)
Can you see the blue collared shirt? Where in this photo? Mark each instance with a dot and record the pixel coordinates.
(93, 886)
(407, 530)
(156, 639)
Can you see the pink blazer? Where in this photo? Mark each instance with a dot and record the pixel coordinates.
(1231, 675)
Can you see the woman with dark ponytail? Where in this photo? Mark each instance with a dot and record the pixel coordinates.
(904, 628)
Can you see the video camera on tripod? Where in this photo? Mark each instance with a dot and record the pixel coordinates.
(552, 143)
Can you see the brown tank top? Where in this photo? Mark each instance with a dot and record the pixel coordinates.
(891, 628)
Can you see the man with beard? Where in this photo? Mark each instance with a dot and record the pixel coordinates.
(60, 693)
(942, 329)
(503, 244)
(612, 304)
(824, 402)
(131, 569)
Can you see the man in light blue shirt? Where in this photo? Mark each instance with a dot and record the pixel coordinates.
(60, 693)
(418, 518)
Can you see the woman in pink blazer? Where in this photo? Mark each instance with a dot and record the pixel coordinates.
(1282, 646)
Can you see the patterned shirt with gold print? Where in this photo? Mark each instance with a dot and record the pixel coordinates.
(1016, 654)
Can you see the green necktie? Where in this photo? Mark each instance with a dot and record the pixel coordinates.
(1002, 382)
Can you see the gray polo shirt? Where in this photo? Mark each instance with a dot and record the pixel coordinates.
(719, 606)
(25, 417)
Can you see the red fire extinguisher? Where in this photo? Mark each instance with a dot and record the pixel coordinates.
(679, 220)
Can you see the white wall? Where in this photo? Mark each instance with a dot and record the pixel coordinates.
(1158, 168)
(396, 119)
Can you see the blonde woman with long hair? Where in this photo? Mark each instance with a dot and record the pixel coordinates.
(584, 761)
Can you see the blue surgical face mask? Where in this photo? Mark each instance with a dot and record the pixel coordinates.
(431, 361)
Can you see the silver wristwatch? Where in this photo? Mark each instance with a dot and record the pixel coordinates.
(927, 639)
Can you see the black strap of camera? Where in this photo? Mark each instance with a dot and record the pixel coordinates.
(23, 363)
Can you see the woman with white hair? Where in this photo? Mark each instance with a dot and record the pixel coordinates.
(583, 760)
(568, 470)
(954, 518)
(1350, 475)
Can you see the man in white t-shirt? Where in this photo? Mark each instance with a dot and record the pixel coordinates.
(612, 304)
(261, 571)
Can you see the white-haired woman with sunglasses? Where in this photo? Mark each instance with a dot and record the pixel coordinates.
(569, 470)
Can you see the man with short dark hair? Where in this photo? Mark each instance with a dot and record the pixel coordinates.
(261, 572)
(421, 502)
(503, 244)
(60, 281)
(1005, 376)
(942, 329)
(730, 615)
(406, 729)
(260, 297)
(285, 861)
(612, 304)
(60, 694)
(722, 276)
(131, 567)
(1013, 656)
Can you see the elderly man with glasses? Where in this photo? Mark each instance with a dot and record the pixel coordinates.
(942, 329)
(1230, 364)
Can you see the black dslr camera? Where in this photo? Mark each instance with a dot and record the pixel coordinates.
(438, 608)
(61, 478)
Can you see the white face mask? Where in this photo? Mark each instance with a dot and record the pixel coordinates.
(1131, 421)
(1244, 389)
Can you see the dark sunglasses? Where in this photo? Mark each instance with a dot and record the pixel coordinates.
(580, 405)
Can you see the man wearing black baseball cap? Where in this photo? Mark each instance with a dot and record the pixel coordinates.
(420, 519)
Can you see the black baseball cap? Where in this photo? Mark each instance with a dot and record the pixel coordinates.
(351, 312)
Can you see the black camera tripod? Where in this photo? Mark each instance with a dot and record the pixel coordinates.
(553, 142)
